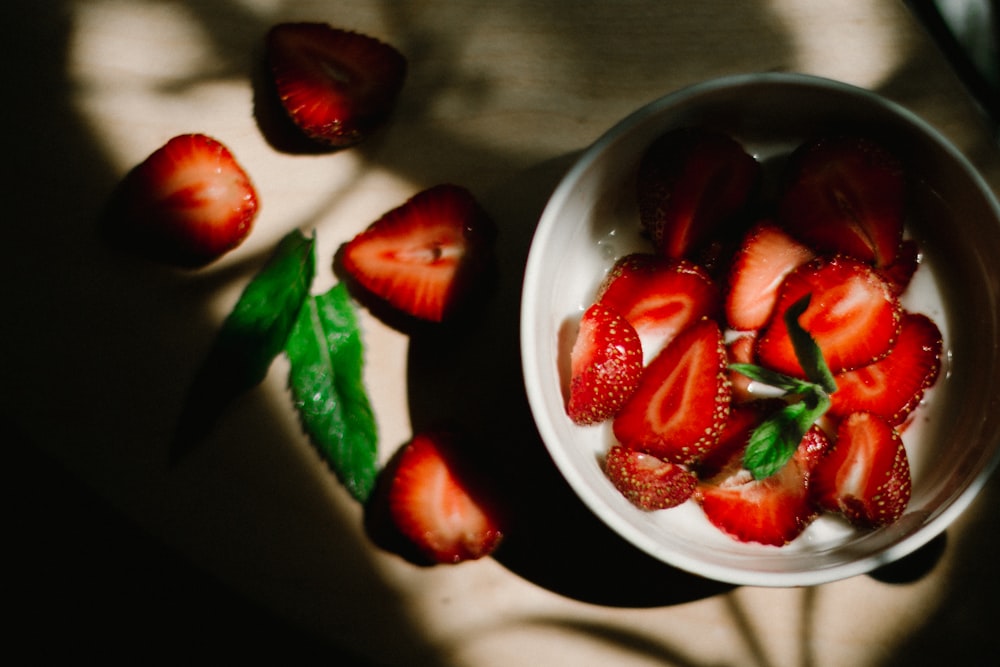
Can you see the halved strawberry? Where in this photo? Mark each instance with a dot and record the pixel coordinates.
(605, 366)
(434, 501)
(647, 482)
(691, 182)
(680, 407)
(772, 511)
(846, 195)
(853, 315)
(659, 297)
(866, 474)
(893, 386)
(336, 85)
(187, 204)
(766, 255)
(425, 256)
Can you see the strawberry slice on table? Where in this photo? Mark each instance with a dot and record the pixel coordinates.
(678, 410)
(691, 183)
(425, 257)
(866, 474)
(646, 481)
(766, 255)
(846, 195)
(337, 86)
(434, 501)
(771, 511)
(893, 386)
(853, 315)
(187, 204)
(659, 297)
(605, 366)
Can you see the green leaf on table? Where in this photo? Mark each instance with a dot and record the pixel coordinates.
(252, 335)
(326, 380)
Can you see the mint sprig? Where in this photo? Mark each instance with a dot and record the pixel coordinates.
(321, 338)
(775, 440)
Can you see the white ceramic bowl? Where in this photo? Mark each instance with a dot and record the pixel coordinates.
(591, 219)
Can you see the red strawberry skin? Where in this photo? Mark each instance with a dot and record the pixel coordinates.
(765, 257)
(853, 315)
(337, 86)
(680, 407)
(425, 257)
(187, 204)
(772, 511)
(646, 481)
(893, 386)
(659, 297)
(846, 195)
(605, 366)
(447, 514)
(691, 183)
(866, 474)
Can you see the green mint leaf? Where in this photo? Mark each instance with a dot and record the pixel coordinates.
(262, 318)
(806, 350)
(327, 358)
(252, 335)
(786, 383)
(774, 442)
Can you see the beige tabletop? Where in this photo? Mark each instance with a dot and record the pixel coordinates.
(499, 97)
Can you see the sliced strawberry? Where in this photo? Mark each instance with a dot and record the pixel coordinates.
(866, 474)
(438, 505)
(646, 481)
(893, 386)
(772, 511)
(337, 86)
(743, 419)
(425, 256)
(659, 297)
(605, 366)
(900, 273)
(766, 256)
(187, 204)
(740, 350)
(692, 182)
(846, 195)
(853, 316)
(680, 407)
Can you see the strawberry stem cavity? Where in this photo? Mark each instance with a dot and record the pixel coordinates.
(775, 440)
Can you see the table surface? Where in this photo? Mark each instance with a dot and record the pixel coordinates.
(499, 97)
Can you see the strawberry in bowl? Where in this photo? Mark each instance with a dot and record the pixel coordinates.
(791, 420)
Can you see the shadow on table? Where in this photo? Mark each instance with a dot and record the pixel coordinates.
(82, 572)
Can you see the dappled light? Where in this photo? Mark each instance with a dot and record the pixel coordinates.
(250, 545)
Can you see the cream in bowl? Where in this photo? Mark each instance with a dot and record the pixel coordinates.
(951, 439)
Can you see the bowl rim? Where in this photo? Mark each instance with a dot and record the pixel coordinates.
(530, 346)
